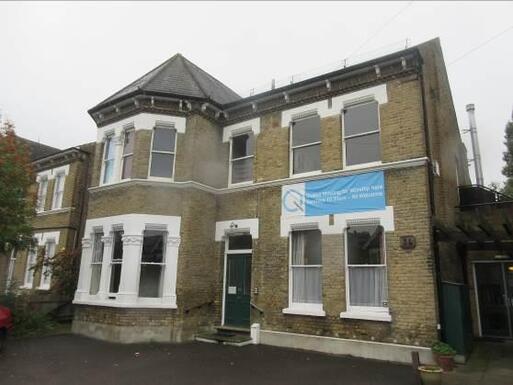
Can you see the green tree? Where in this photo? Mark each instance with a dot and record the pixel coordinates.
(16, 199)
(507, 170)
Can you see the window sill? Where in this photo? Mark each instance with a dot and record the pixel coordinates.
(26, 287)
(305, 311)
(241, 184)
(367, 315)
(131, 305)
(306, 174)
(363, 166)
(44, 288)
(53, 211)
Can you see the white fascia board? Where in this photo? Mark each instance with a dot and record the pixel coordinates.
(378, 93)
(142, 121)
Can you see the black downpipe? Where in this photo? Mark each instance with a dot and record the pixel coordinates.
(435, 249)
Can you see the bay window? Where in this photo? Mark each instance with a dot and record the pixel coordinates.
(96, 263)
(109, 155)
(241, 158)
(306, 269)
(366, 267)
(46, 271)
(128, 154)
(152, 264)
(58, 191)
(41, 194)
(305, 144)
(116, 262)
(362, 133)
(163, 152)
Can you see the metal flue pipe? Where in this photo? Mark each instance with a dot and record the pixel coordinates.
(475, 144)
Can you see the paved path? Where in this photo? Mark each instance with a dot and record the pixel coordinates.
(70, 360)
(491, 363)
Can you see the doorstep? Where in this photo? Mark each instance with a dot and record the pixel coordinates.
(227, 335)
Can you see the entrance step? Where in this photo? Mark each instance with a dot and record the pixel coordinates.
(227, 336)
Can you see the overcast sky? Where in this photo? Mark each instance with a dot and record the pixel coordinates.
(59, 59)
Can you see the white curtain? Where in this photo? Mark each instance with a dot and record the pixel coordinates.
(306, 280)
(368, 286)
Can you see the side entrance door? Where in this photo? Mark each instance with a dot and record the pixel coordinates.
(494, 283)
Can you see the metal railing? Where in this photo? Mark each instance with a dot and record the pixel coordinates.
(478, 195)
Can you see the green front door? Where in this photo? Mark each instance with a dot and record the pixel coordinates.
(237, 290)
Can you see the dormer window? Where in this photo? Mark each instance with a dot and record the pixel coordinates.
(241, 158)
(306, 144)
(108, 159)
(163, 152)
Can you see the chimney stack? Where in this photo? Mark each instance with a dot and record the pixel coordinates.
(475, 144)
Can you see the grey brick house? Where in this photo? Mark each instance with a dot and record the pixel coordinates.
(305, 212)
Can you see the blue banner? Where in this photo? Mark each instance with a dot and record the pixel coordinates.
(361, 192)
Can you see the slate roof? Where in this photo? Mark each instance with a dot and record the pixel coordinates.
(38, 150)
(177, 76)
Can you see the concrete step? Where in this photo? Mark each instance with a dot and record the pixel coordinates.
(226, 337)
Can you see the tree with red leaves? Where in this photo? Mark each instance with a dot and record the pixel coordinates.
(16, 199)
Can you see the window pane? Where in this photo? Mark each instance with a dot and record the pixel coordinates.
(162, 165)
(97, 248)
(363, 149)
(242, 170)
(307, 159)
(306, 247)
(365, 245)
(361, 118)
(306, 131)
(306, 285)
(153, 247)
(117, 253)
(115, 277)
(164, 139)
(109, 149)
(367, 286)
(128, 145)
(242, 145)
(108, 172)
(46, 270)
(96, 271)
(127, 167)
(150, 282)
(240, 242)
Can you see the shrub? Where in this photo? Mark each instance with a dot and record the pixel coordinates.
(443, 349)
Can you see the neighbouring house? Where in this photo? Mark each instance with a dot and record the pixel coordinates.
(60, 186)
(308, 212)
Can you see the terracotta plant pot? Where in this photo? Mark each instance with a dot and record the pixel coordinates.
(430, 375)
(446, 362)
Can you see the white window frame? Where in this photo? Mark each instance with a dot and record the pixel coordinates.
(161, 264)
(112, 262)
(108, 138)
(348, 105)
(312, 309)
(124, 156)
(373, 313)
(58, 195)
(241, 158)
(95, 262)
(10, 270)
(47, 269)
(41, 194)
(167, 127)
(29, 271)
(292, 148)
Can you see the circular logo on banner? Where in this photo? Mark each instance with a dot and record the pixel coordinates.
(294, 201)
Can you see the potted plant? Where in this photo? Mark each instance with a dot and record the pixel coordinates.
(444, 355)
(430, 374)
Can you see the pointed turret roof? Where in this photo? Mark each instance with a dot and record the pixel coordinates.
(177, 76)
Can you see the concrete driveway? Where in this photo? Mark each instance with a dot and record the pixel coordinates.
(69, 359)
